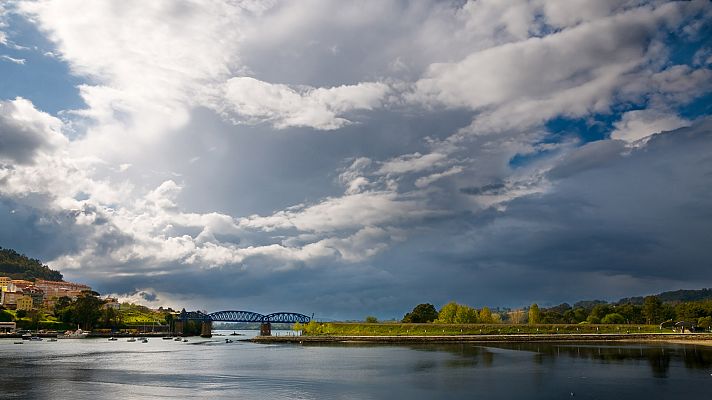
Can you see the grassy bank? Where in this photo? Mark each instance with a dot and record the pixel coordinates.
(398, 329)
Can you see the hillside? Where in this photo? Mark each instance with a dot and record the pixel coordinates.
(19, 266)
(674, 296)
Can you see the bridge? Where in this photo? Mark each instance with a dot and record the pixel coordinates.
(265, 321)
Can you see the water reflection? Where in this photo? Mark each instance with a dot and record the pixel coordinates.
(163, 369)
(658, 357)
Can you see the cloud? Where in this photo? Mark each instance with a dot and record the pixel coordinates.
(574, 72)
(635, 125)
(197, 167)
(319, 108)
(26, 132)
(19, 61)
(412, 163)
(346, 212)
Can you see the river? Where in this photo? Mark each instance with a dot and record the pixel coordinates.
(213, 369)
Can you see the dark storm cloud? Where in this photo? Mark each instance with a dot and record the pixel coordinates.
(639, 222)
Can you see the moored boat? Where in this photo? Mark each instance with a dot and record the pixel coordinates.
(78, 334)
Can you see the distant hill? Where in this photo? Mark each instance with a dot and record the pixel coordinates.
(19, 266)
(674, 296)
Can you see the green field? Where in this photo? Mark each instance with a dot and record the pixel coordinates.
(132, 314)
(399, 329)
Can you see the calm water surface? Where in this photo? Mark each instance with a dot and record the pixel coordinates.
(213, 369)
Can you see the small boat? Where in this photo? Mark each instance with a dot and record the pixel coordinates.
(185, 340)
(35, 339)
(167, 338)
(78, 334)
(228, 341)
(27, 336)
(131, 340)
(113, 339)
(144, 340)
(177, 339)
(18, 342)
(52, 339)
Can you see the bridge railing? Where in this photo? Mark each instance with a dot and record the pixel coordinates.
(244, 316)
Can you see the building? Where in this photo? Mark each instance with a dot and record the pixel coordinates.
(37, 296)
(18, 285)
(58, 289)
(4, 282)
(9, 299)
(24, 302)
(8, 326)
(111, 302)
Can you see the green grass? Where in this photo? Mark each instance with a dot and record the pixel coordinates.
(135, 314)
(398, 329)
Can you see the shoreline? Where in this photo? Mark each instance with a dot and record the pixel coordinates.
(704, 339)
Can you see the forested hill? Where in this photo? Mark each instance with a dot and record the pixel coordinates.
(674, 296)
(19, 266)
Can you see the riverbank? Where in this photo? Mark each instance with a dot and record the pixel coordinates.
(687, 338)
(91, 335)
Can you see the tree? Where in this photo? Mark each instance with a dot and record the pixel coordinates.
(109, 317)
(35, 319)
(486, 316)
(534, 314)
(87, 310)
(21, 314)
(466, 315)
(5, 316)
(613, 318)
(516, 316)
(704, 322)
(371, 319)
(652, 308)
(447, 313)
(632, 313)
(421, 313)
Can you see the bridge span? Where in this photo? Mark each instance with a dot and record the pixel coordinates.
(265, 321)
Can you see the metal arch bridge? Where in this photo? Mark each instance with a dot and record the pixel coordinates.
(244, 316)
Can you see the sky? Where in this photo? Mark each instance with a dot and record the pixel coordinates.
(353, 158)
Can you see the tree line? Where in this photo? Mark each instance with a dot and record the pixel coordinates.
(651, 311)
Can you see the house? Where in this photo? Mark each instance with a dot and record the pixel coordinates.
(9, 299)
(112, 302)
(24, 302)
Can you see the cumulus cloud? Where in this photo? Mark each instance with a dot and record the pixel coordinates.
(635, 125)
(25, 131)
(574, 72)
(346, 212)
(319, 108)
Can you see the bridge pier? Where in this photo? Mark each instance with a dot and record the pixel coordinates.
(206, 329)
(265, 329)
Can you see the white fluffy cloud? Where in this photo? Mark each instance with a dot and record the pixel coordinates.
(639, 124)
(25, 131)
(573, 72)
(319, 108)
